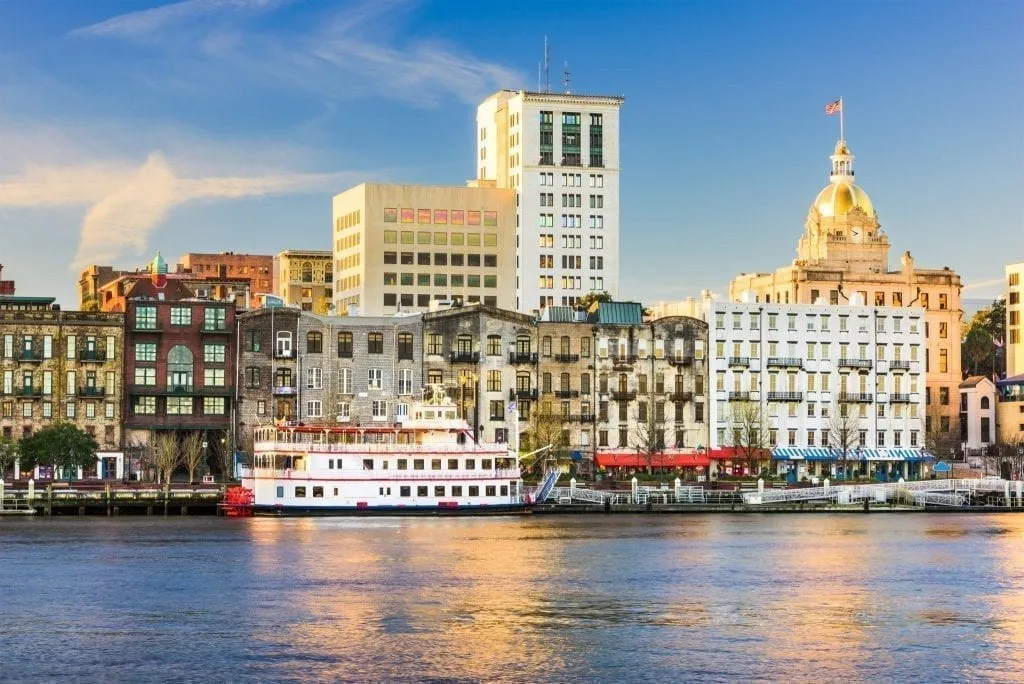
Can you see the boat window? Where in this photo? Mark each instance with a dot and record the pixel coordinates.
(453, 464)
(435, 464)
(456, 490)
(280, 492)
(504, 490)
(417, 464)
(335, 491)
(384, 465)
(485, 463)
(318, 492)
(300, 492)
(421, 491)
(474, 490)
(404, 491)
(330, 464)
(489, 490)
(403, 464)
(367, 464)
(470, 464)
(439, 490)
(450, 415)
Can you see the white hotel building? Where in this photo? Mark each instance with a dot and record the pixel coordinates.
(799, 366)
(560, 153)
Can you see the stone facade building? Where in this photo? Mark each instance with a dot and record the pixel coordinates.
(62, 366)
(304, 278)
(267, 371)
(565, 372)
(486, 358)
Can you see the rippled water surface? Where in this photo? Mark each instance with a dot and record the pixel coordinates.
(570, 598)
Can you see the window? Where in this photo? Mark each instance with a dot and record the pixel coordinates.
(214, 352)
(345, 381)
(314, 343)
(252, 340)
(405, 381)
(283, 344)
(344, 345)
(494, 381)
(314, 378)
(405, 346)
(179, 406)
(375, 379)
(215, 319)
(375, 343)
(379, 409)
(145, 376)
(181, 315)
(213, 406)
(145, 318)
(314, 409)
(213, 377)
(144, 406)
(179, 368)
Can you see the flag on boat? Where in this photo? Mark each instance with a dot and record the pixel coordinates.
(834, 107)
(511, 407)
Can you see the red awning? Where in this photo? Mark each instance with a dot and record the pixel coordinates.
(633, 459)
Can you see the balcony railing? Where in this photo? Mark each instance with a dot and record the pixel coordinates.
(785, 396)
(856, 363)
(582, 418)
(522, 357)
(30, 356)
(628, 395)
(855, 397)
(91, 356)
(567, 394)
(521, 394)
(622, 360)
(28, 391)
(215, 329)
(681, 360)
(739, 361)
(898, 398)
(285, 390)
(899, 364)
(88, 391)
(785, 362)
(680, 396)
(464, 357)
(739, 396)
(567, 358)
(284, 353)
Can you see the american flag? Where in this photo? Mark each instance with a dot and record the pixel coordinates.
(834, 106)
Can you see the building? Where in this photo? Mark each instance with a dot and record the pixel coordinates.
(6, 286)
(977, 415)
(179, 365)
(62, 366)
(258, 269)
(101, 288)
(651, 389)
(560, 153)
(267, 369)
(826, 389)
(397, 248)
(844, 252)
(305, 279)
(1010, 405)
(486, 358)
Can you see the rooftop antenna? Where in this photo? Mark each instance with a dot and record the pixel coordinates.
(547, 66)
(565, 76)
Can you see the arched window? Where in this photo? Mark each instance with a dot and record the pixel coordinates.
(405, 347)
(984, 402)
(345, 345)
(307, 272)
(314, 343)
(623, 382)
(179, 369)
(283, 344)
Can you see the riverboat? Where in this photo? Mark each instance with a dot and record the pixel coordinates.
(429, 463)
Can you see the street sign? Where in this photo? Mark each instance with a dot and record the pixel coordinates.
(942, 467)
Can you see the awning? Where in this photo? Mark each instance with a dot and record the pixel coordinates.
(633, 459)
(856, 454)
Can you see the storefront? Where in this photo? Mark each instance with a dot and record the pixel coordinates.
(687, 465)
(884, 465)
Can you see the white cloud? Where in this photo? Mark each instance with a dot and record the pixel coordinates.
(982, 284)
(149, 21)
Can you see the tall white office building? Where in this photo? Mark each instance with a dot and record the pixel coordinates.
(560, 152)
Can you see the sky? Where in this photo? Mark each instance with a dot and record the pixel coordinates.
(131, 127)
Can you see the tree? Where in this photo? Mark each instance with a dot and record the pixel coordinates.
(546, 427)
(193, 452)
(843, 433)
(648, 435)
(1006, 458)
(62, 446)
(589, 299)
(978, 350)
(166, 457)
(942, 433)
(8, 455)
(980, 335)
(748, 433)
(224, 455)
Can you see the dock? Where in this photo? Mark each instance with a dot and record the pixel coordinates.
(110, 500)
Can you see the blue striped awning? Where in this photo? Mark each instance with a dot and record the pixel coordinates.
(861, 454)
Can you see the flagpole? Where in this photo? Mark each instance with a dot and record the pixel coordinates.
(842, 128)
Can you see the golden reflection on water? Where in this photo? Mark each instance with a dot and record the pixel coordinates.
(1007, 593)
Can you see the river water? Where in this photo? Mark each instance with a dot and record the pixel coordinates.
(560, 598)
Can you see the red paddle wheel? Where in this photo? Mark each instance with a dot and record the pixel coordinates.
(238, 502)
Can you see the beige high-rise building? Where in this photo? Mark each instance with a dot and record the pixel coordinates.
(843, 255)
(1010, 391)
(304, 278)
(399, 247)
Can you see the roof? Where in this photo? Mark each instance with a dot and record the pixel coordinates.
(559, 314)
(661, 459)
(1015, 380)
(619, 313)
(973, 381)
(5, 299)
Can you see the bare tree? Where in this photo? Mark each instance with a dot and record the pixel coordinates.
(225, 455)
(942, 433)
(546, 427)
(1006, 458)
(166, 456)
(193, 451)
(8, 455)
(748, 432)
(843, 433)
(648, 434)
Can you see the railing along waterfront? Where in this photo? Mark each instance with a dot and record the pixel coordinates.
(378, 475)
(379, 448)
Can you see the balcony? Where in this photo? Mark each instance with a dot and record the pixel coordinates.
(785, 396)
(680, 396)
(146, 328)
(855, 397)
(92, 391)
(582, 418)
(522, 357)
(28, 391)
(567, 358)
(464, 357)
(284, 390)
(739, 361)
(92, 356)
(681, 360)
(497, 419)
(215, 330)
(284, 354)
(623, 362)
(864, 364)
(30, 356)
(567, 394)
(521, 394)
(785, 362)
(739, 396)
(898, 364)
(897, 398)
(628, 395)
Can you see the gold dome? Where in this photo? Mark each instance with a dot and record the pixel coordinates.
(840, 197)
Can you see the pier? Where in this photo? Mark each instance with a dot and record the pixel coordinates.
(110, 500)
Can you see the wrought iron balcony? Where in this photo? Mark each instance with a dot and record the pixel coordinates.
(785, 396)
(680, 396)
(855, 397)
(623, 360)
(582, 418)
(31, 356)
(739, 396)
(521, 394)
(567, 394)
(681, 360)
(464, 357)
(785, 362)
(899, 364)
(739, 361)
(93, 391)
(628, 395)
(284, 354)
(522, 357)
(567, 358)
(28, 391)
(215, 329)
(284, 390)
(856, 363)
(898, 398)
(91, 356)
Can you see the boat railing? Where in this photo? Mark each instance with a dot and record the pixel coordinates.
(355, 448)
(381, 475)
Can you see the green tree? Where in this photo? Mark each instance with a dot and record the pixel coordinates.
(8, 455)
(980, 335)
(587, 300)
(62, 446)
(978, 351)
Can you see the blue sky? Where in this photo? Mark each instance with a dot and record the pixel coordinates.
(209, 125)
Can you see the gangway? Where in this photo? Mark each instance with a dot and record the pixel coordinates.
(570, 494)
(546, 485)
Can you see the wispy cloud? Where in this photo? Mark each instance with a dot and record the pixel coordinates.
(982, 284)
(127, 203)
(148, 21)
